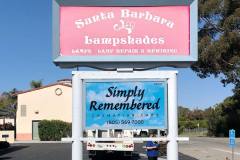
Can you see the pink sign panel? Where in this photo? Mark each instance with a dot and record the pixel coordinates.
(114, 31)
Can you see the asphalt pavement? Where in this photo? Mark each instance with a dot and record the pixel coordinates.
(56, 151)
(203, 148)
(197, 149)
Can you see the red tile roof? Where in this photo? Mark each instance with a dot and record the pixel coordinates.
(46, 86)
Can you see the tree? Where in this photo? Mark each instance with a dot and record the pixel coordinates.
(8, 111)
(36, 84)
(219, 41)
(183, 113)
(8, 106)
(191, 119)
(219, 55)
(215, 121)
(196, 114)
(231, 114)
(224, 116)
(8, 98)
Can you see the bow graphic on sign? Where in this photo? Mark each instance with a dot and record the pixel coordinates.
(124, 25)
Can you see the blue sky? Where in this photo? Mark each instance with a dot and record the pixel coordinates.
(25, 49)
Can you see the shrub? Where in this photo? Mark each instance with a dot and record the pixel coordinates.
(54, 130)
(7, 127)
(180, 129)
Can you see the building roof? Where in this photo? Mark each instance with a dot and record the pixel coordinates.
(46, 86)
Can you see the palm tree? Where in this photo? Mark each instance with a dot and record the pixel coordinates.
(36, 84)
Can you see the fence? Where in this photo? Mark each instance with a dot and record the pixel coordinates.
(195, 131)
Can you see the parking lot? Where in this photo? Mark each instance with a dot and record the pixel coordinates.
(55, 151)
(196, 149)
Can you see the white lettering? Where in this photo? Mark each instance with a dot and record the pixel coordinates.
(87, 40)
(156, 19)
(80, 24)
(94, 19)
(129, 40)
(125, 13)
(146, 15)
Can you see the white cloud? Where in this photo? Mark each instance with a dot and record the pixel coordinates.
(101, 97)
(95, 126)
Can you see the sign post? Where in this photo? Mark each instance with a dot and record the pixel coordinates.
(77, 121)
(172, 145)
(232, 143)
(118, 35)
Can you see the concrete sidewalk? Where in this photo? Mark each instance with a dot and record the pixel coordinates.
(145, 156)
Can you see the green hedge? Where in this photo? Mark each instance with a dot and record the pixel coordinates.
(54, 130)
(191, 124)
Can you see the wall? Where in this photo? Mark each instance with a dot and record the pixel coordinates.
(43, 104)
